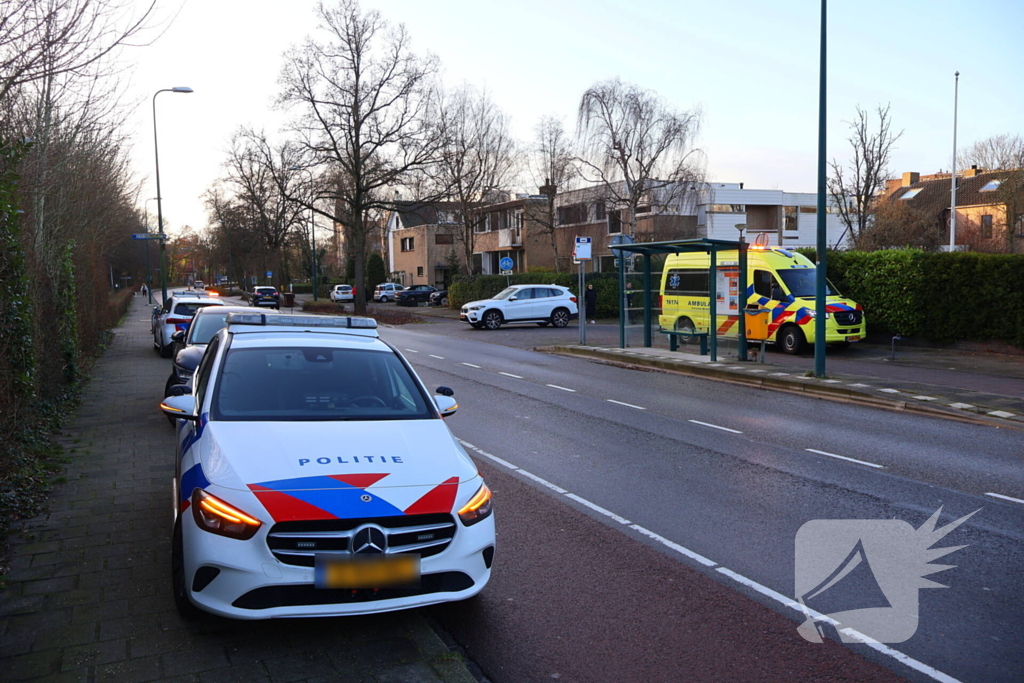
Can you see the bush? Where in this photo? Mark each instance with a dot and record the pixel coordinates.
(942, 297)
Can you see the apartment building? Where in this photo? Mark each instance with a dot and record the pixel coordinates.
(519, 229)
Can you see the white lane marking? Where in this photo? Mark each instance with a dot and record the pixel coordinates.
(1000, 413)
(697, 557)
(780, 374)
(437, 357)
(890, 391)
(412, 350)
(1001, 496)
(708, 424)
(830, 381)
(925, 398)
(961, 406)
(739, 578)
(543, 482)
(555, 386)
(859, 385)
(596, 508)
(470, 365)
(509, 374)
(628, 405)
(843, 457)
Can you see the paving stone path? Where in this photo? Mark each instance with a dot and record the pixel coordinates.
(88, 597)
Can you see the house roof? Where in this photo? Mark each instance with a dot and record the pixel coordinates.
(415, 213)
(933, 196)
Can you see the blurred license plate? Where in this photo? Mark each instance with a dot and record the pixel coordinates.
(372, 572)
(854, 338)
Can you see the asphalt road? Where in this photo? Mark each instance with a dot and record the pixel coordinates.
(730, 474)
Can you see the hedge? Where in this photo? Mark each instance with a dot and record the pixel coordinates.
(942, 297)
(474, 287)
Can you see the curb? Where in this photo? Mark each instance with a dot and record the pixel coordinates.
(448, 665)
(808, 387)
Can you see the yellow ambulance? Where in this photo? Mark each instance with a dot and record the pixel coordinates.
(779, 281)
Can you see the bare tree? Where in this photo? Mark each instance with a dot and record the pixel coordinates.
(362, 98)
(40, 38)
(895, 224)
(853, 189)
(476, 157)
(638, 148)
(553, 167)
(996, 153)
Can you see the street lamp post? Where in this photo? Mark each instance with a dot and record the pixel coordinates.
(159, 204)
(312, 226)
(952, 189)
(149, 268)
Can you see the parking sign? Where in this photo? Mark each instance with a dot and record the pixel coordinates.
(582, 250)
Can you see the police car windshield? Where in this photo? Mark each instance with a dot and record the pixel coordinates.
(206, 325)
(505, 293)
(313, 383)
(800, 281)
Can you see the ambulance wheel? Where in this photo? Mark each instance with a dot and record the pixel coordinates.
(792, 339)
(185, 607)
(686, 326)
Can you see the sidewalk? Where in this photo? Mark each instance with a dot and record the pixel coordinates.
(88, 597)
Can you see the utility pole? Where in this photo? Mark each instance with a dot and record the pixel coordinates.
(822, 243)
(952, 189)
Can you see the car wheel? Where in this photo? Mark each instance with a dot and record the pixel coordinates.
(383, 299)
(560, 317)
(181, 601)
(792, 339)
(444, 301)
(492, 319)
(543, 324)
(686, 326)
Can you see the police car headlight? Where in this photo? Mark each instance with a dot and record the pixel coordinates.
(214, 515)
(478, 508)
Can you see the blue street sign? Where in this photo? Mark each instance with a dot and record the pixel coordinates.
(270, 273)
(148, 236)
(506, 263)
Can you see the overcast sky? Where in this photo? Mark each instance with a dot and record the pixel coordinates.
(751, 65)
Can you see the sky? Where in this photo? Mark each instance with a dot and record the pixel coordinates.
(751, 66)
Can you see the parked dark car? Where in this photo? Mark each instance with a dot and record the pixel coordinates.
(439, 298)
(265, 296)
(414, 295)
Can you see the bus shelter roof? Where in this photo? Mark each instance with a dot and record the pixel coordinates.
(677, 246)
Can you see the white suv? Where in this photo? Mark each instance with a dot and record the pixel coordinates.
(541, 304)
(386, 292)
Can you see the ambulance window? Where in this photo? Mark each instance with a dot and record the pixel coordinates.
(692, 282)
(763, 283)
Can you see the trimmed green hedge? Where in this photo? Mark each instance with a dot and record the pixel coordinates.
(942, 297)
(474, 287)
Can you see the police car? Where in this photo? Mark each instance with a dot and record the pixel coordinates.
(315, 476)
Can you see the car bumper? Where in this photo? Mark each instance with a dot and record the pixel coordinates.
(470, 316)
(266, 302)
(253, 584)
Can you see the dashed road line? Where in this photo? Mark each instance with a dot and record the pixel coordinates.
(843, 457)
(961, 406)
(470, 365)
(890, 391)
(628, 405)
(1001, 413)
(904, 659)
(555, 386)
(1002, 497)
(708, 424)
(925, 398)
(412, 350)
(437, 357)
(509, 374)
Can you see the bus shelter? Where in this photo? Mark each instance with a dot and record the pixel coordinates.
(709, 246)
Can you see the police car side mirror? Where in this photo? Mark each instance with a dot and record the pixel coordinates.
(180, 407)
(446, 405)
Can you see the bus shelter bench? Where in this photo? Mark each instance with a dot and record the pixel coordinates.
(673, 339)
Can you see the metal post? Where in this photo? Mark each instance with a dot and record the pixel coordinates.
(822, 245)
(952, 189)
(583, 300)
(647, 300)
(312, 236)
(742, 300)
(622, 298)
(713, 306)
(159, 207)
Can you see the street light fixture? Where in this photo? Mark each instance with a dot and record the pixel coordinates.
(159, 205)
(312, 225)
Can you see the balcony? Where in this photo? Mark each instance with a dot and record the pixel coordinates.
(509, 237)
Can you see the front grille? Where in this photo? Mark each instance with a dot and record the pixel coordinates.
(298, 543)
(268, 597)
(848, 317)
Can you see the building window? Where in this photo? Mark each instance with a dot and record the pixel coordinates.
(575, 213)
(419, 271)
(789, 213)
(443, 238)
(408, 244)
(986, 226)
(1020, 226)
(910, 194)
(990, 186)
(614, 222)
(808, 209)
(644, 208)
(599, 212)
(445, 216)
(724, 208)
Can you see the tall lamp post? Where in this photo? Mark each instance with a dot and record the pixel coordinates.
(149, 268)
(159, 205)
(312, 225)
(952, 189)
(822, 242)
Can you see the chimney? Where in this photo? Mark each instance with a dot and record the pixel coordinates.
(973, 171)
(548, 189)
(910, 178)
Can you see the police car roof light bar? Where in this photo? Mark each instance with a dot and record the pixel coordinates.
(335, 321)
